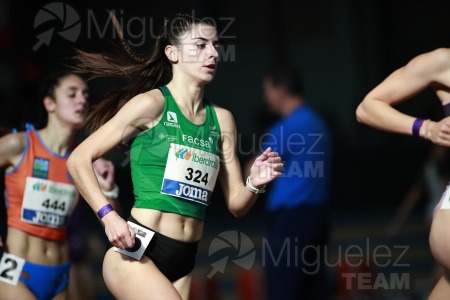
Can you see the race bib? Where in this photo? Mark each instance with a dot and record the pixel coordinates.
(48, 203)
(10, 268)
(190, 173)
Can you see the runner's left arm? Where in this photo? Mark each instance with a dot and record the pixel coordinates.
(265, 168)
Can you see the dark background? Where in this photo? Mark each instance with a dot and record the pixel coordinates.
(342, 48)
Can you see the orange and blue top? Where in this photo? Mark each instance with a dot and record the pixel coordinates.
(39, 192)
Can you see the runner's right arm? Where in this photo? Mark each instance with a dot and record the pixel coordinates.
(429, 69)
(141, 111)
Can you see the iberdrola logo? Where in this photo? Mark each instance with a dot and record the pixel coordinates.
(183, 154)
(39, 186)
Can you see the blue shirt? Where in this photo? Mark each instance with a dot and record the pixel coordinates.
(303, 142)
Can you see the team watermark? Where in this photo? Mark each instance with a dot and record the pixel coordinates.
(313, 147)
(366, 266)
(314, 167)
(61, 20)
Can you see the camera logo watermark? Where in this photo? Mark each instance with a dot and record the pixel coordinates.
(64, 20)
(240, 243)
(364, 266)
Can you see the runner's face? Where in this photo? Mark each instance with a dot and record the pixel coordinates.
(71, 100)
(197, 53)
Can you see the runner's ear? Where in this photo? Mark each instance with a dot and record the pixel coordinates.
(49, 104)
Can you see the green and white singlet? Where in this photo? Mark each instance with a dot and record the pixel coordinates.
(174, 165)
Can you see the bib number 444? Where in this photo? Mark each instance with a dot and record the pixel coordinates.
(55, 205)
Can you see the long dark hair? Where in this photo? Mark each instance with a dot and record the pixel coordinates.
(143, 73)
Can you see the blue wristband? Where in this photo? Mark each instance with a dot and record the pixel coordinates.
(104, 210)
(416, 127)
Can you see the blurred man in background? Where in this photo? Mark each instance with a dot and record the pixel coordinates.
(297, 201)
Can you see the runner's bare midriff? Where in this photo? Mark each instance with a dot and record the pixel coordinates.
(36, 250)
(175, 226)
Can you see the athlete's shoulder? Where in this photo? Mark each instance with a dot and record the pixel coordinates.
(225, 117)
(148, 103)
(14, 141)
(11, 145)
(149, 99)
(222, 113)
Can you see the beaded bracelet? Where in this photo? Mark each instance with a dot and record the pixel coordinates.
(253, 189)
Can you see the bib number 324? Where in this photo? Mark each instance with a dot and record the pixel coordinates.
(190, 173)
(196, 176)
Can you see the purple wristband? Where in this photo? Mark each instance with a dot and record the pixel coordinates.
(416, 127)
(104, 210)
